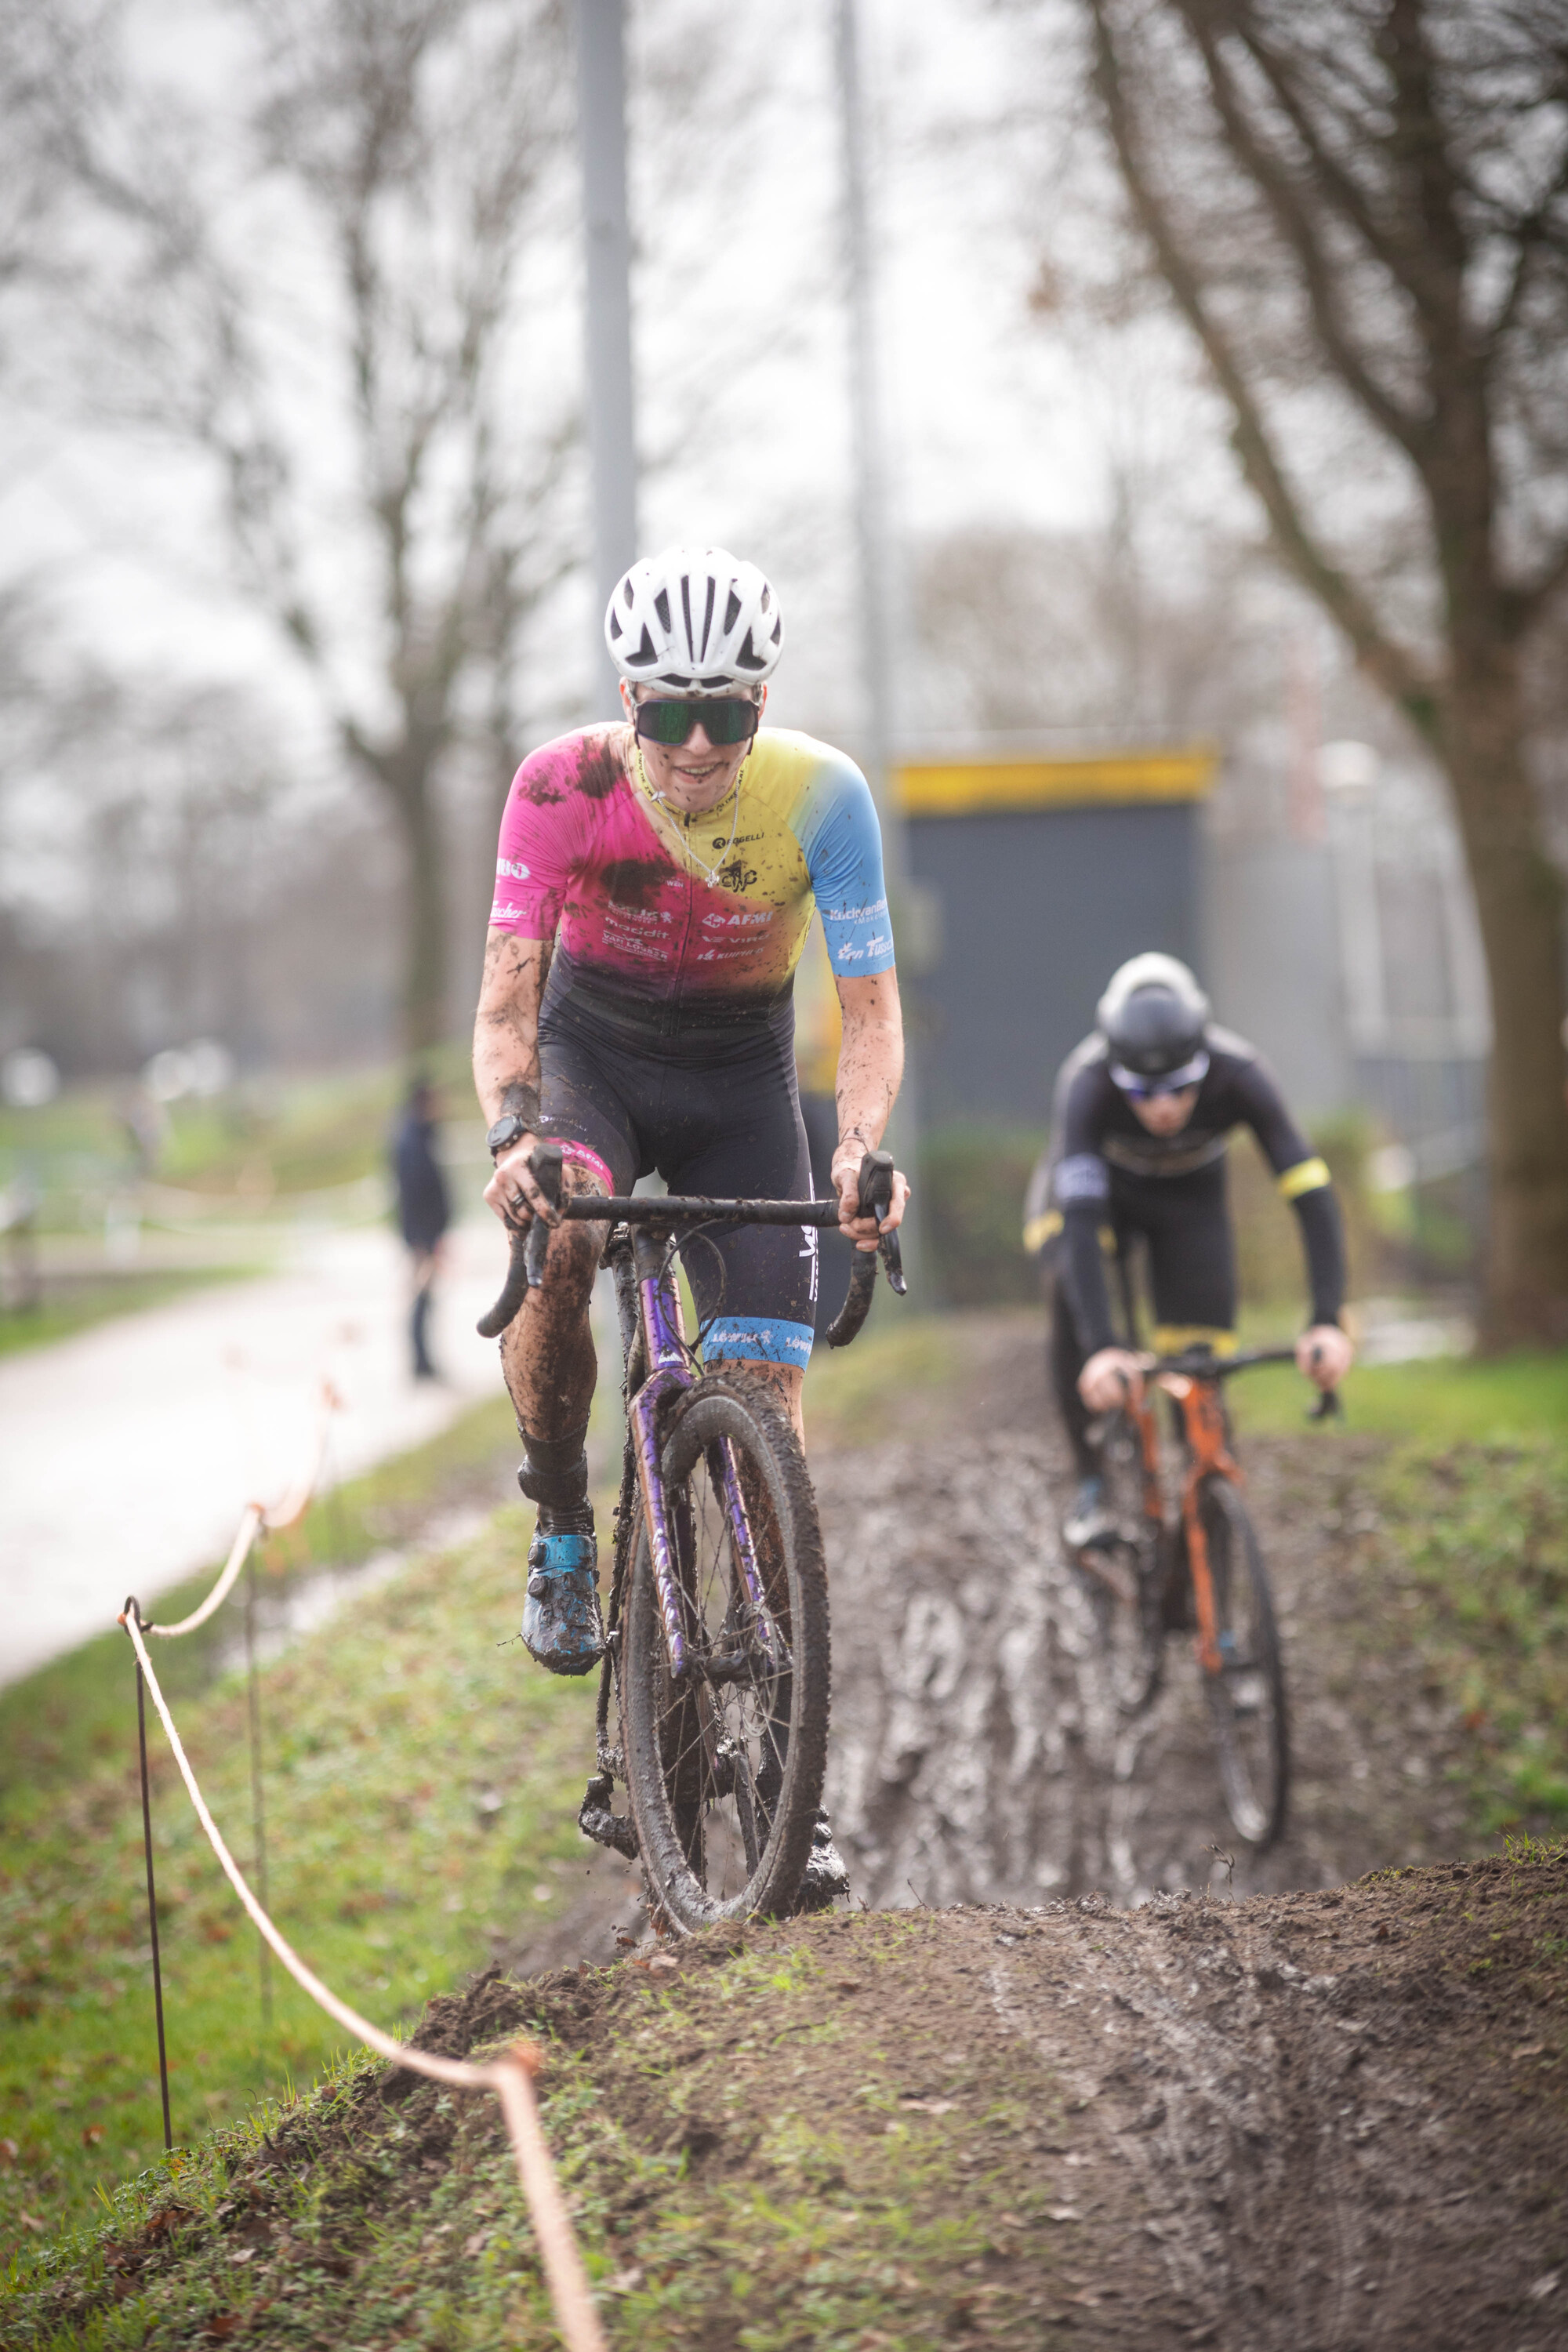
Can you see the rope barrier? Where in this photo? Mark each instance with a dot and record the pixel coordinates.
(510, 2076)
(256, 1518)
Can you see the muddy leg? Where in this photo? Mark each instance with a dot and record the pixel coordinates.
(547, 1355)
(785, 1380)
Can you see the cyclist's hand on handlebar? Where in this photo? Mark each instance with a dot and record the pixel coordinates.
(511, 1192)
(1112, 1377)
(844, 1174)
(1324, 1354)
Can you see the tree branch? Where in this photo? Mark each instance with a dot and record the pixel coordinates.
(1411, 431)
(1385, 659)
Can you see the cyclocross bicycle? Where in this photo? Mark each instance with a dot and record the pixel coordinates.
(1200, 1569)
(713, 1707)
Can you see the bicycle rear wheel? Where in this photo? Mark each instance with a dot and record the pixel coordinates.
(1246, 1697)
(1118, 1571)
(725, 1768)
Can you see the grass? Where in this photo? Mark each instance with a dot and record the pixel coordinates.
(1474, 1545)
(421, 1793)
(378, 1733)
(1446, 1401)
(373, 2218)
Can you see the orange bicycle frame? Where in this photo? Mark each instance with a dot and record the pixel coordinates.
(1203, 1418)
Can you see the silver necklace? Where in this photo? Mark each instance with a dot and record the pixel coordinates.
(686, 816)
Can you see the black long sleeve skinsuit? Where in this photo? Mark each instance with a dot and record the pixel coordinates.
(1105, 1173)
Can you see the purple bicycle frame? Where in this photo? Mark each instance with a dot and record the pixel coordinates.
(670, 1370)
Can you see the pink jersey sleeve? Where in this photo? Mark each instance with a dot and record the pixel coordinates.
(539, 844)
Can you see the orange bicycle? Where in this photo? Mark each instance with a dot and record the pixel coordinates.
(1199, 1568)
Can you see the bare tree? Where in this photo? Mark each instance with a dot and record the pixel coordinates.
(320, 293)
(1360, 209)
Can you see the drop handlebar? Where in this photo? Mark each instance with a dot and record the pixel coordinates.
(669, 1212)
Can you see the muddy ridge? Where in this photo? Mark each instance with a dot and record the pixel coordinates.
(1332, 2120)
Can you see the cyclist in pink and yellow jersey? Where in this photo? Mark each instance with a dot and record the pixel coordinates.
(655, 883)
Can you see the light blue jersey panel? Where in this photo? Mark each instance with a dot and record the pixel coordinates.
(835, 825)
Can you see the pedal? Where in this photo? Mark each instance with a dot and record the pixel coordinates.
(597, 1819)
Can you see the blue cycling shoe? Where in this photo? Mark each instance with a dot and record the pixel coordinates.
(561, 1626)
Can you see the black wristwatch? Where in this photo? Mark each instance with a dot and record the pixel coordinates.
(510, 1129)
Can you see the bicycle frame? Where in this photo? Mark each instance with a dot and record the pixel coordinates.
(668, 1372)
(1208, 1455)
(1197, 1394)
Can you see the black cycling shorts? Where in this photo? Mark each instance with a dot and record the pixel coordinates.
(733, 1129)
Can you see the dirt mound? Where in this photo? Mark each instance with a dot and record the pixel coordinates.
(1317, 2119)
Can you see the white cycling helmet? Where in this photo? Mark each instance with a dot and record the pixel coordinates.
(1152, 1017)
(694, 620)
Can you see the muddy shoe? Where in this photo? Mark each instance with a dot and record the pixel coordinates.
(825, 1878)
(561, 1626)
(1088, 1521)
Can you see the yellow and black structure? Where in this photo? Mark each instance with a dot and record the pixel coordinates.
(1045, 871)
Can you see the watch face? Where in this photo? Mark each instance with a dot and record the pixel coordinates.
(506, 1131)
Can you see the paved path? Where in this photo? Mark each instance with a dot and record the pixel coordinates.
(127, 1453)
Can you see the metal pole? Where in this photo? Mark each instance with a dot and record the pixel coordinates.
(611, 446)
(871, 544)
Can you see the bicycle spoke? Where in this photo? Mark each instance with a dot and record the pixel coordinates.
(723, 1740)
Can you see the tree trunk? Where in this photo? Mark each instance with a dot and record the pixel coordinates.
(1520, 904)
(425, 1011)
(405, 776)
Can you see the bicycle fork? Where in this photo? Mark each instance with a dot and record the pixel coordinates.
(668, 1359)
(1204, 1417)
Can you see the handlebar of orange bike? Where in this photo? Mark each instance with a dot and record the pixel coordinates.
(1202, 1364)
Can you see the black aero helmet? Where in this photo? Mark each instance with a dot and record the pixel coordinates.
(1152, 1017)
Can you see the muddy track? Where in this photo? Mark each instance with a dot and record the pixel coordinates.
(1325, 2121)
(976, 1757)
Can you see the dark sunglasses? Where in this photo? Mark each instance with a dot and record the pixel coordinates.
(726, 719)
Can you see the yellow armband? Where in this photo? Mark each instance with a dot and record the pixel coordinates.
(1307, 1176)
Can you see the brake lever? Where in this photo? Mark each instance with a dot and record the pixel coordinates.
(876, 1198)
(545, 1164)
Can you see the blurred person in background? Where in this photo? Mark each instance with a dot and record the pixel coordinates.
(1141, 1115)
(424, 1210)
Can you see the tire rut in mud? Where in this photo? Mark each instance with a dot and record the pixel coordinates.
(976, 1755)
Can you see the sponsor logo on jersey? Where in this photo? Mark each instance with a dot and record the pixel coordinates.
(514, 867)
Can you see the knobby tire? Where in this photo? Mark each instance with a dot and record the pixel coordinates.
(1126, 1601)
(725, 1777)
(1246, 1702)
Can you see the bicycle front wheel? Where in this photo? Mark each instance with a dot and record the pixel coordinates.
(1247, 1696)
(725, 1767)
(1119, 1570)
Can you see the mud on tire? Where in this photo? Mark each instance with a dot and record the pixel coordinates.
(725, 1772)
